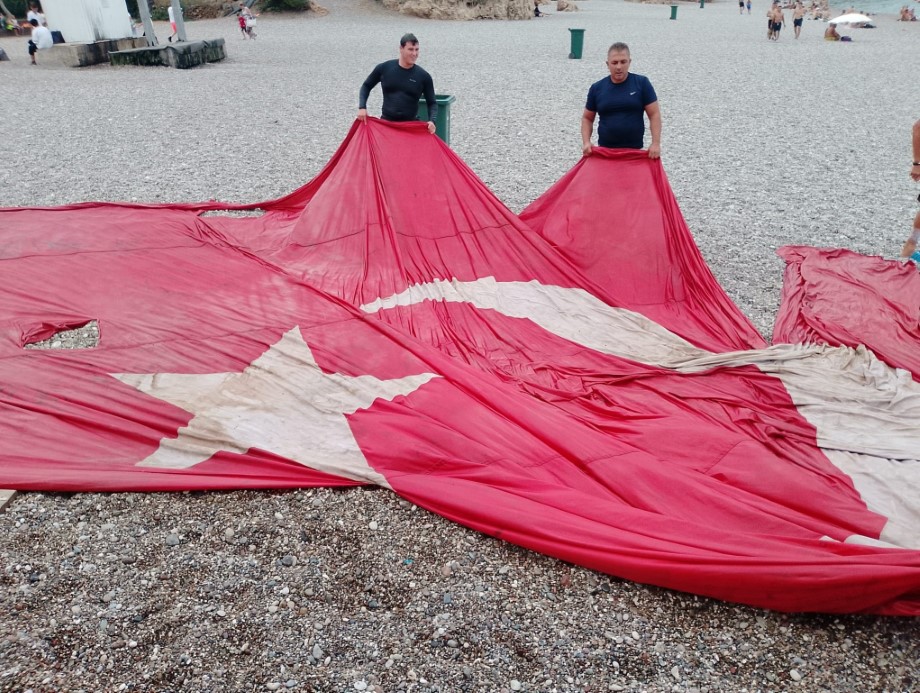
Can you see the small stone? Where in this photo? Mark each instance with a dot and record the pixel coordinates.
(273, 686)
(360, 685)
(635, 635)
(290, 683)
(228, 533)
(515, 685)
(172, 540)
(795, 675)
(675, 672)
(288, 561)
(373, 525)
(453, 644)
(317, 652)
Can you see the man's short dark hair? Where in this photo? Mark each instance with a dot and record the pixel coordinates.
(33, 22)
(618, 47)
(407, 38)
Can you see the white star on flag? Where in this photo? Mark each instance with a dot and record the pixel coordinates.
(281, 403)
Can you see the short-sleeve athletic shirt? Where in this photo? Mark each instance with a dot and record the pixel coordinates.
(621, 108)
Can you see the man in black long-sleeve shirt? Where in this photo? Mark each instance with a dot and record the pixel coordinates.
(403, 84)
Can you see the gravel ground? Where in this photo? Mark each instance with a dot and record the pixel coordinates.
(327, 590)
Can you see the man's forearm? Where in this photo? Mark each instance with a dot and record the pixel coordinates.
(432, 102)
(373, 79)
(655, 128)
(587, 129)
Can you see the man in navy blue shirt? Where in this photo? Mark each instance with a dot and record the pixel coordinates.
(621, 100)
(403, 83)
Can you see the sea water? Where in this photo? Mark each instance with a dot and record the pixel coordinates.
(872, 6)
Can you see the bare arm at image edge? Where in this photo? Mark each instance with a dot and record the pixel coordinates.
(915, 168)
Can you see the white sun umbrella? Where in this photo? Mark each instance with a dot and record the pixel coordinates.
(852, 18)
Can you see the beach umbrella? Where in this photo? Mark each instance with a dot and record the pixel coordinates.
(851, 18)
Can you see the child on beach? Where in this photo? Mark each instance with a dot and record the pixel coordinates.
(172, 22)
(247, 21)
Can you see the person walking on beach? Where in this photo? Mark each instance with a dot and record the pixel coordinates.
(779, 19)
(41, 39)
(622, 100)
(172, 21)
(749, 6)
(797, 16)
(909, 251)
(403, 83)
(247, 21)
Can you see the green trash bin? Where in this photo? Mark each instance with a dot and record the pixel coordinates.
(673, 11)
(702, 4)
(442, 124)
(578, 43)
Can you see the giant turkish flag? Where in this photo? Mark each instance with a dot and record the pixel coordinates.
(574, 380)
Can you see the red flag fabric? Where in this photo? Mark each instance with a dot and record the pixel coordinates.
(838, 297)
(615, 218)
(392, 323)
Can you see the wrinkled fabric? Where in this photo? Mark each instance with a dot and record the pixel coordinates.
(573, 380)
(838, 297)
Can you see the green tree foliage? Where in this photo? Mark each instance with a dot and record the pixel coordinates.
(17, 7)
(285, 5)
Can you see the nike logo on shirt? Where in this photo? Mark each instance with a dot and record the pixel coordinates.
(633, 93)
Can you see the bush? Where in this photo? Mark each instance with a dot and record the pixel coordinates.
(286, 5)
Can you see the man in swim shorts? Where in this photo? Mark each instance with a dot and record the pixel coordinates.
(778, 20)
(797, 17)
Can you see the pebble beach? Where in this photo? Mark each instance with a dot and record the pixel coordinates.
(765, 144)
